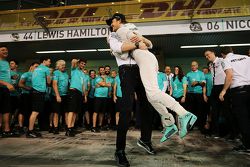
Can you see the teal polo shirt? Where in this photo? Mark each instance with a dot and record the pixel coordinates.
(5, 72)
(177, 86)
(209, 83)
(195, 76)
(161, 77)
(39, 78)
(86, 82)
(77, 79)
(100, 91)
(92, 88)
(118, 86)
(62, 79)
(27, 77)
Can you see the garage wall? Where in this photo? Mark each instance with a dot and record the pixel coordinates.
(91, 64)
(185, 62)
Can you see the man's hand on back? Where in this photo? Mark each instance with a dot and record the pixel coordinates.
(135, 39)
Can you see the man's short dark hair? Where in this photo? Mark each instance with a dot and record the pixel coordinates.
(44, 58)
(91, 71)
(206, 68)
(225, 50)
(209, 50)
(82, 60)
(16, 62)
(117, 16)
(101, 67)
(107, 66)
(34, 63)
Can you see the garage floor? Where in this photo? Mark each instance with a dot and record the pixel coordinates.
(97, 150)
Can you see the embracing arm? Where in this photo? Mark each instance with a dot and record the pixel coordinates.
(228, 81)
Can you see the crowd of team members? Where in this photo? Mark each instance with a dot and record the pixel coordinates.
(85, 98)
(60, 100)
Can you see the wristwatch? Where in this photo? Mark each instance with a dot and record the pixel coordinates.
(137, 45)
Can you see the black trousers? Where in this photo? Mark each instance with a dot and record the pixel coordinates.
(195, 104)
(130, 83)
(221, 113)
(241, 107)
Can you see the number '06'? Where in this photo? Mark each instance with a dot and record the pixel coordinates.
(211, 25)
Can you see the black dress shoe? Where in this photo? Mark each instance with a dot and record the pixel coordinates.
(10, 134)
(146, 146)
(33, 134)
(95, 130)
(70, 132)
(121, 159)
(56, 131)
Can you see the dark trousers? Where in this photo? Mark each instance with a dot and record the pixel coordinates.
(241, 107)
(195, 105)
(130, 83)
(221, 112)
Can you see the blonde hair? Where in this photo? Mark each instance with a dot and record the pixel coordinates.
(59, 63)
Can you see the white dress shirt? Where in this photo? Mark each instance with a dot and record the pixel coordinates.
(116, 49)
(217, 71)
(240, 64)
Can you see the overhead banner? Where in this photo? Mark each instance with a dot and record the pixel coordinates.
(204, 26)
(135, 11)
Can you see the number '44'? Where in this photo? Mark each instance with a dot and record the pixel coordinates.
(28, 36)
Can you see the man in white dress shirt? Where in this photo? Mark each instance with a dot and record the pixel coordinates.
(237, 80)
(130, 82)
(219, 108)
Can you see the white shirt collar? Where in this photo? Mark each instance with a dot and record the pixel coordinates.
(216, 59)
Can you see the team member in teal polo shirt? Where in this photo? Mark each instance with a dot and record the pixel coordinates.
(26, 99)
(60, 84)
(91, 97)
(76, 93)
(110, 103)
(14, 95)
(15, 77)
(117, 96)
(162, 81)
(209, 81)
(5, 88)
(40, 78)
(197, 94)
(92, 75)
(84, 114)
(179, 85)
(101, 95)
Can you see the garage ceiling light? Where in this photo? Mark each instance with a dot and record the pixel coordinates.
(73, 51)
(103, 50)
(199, 46)
(237, 44)
(85, 50)
(52, 51)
